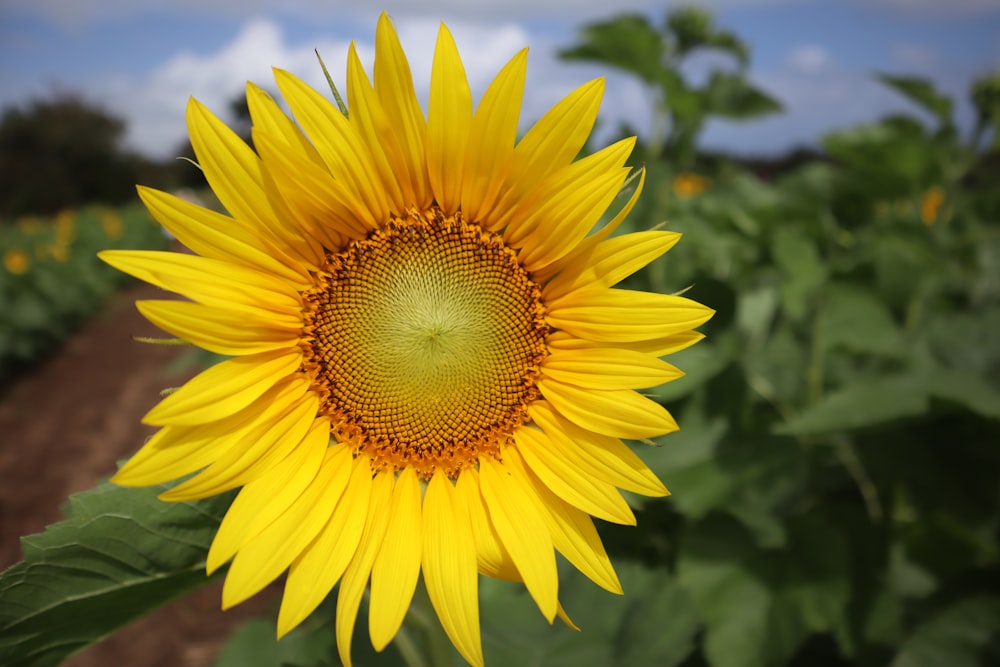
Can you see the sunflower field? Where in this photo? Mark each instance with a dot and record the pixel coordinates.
(835, 482)
(51, 280)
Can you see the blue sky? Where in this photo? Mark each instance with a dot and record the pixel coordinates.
(142, 59)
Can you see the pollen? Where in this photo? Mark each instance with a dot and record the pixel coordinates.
(423, 341)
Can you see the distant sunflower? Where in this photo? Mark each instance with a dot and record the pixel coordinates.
(430, 369)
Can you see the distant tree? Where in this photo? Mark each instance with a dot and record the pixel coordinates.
(63, 151)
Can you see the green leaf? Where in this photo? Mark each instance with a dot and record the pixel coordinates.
(759, 605)
(255, 645)
(921, 91)
(653, 623)
(802, 269)
(857, 320)
(627, 42)
(314, 642)
(755, 314)
(119, 554)
(966, 388)
(891, 158)
(862, 404)
(964, 634)
(690, 26)
(730, 96)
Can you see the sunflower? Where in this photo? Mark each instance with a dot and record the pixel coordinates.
(430, 371)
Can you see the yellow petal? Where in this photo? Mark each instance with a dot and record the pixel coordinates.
(574, 535)
(490, 150)
(394, 87)
(449, 565)
(606, 231)
(519, 524)
(555, 217)
(225, 388)
(559, 135)
(608, 368)
(352, 585)
(617, 315)
(344, 151)
(315, 572)
(212, 282)
(492, 557)
(655, 347)
(175, 451)
(212, 234)
(269, 553)
(397, 566)
(549, 145)
(217, 330)
(268, 117)
(231, 167)
(603, 456)
(449, 120)
(620, 413)
(608, 263)
(282, 428)
(569, 482)
(374, 126)
(233, 171)
(265, 499)
(321, 204)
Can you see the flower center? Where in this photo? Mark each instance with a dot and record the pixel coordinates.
(423, 341)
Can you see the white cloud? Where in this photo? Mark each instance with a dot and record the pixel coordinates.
(809, 59)
(154, 106)
(917, 57)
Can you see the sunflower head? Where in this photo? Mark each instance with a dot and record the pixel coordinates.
(431, 370)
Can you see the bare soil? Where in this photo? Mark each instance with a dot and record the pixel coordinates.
(63, 426)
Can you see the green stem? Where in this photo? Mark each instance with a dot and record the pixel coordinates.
(438, 645)
(409, 649)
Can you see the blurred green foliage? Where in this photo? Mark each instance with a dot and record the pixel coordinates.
(51, 279)
(836, 478)
(655, 56)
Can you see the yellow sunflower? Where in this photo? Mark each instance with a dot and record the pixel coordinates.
(431, 371)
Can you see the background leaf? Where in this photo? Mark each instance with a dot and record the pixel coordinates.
(652, 624)
(863, 403)
(964, 634)
(922, 92)
(759, 605)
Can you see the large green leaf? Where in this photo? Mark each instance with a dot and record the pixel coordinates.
(119, 554)
(964, 634)
(862, 404)
(802, 268)
(759, 605)
(627, 42)
(966, 388)
(694, 27)
(922, 92)
(653, 623)
(255, 645)
(858, 321)
(731, 96)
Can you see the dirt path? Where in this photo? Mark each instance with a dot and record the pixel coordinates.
(62, 428)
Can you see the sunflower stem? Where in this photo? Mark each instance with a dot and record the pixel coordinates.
(438, 646)
(409, 649)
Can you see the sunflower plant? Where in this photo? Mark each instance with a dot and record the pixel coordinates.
(430, 370)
